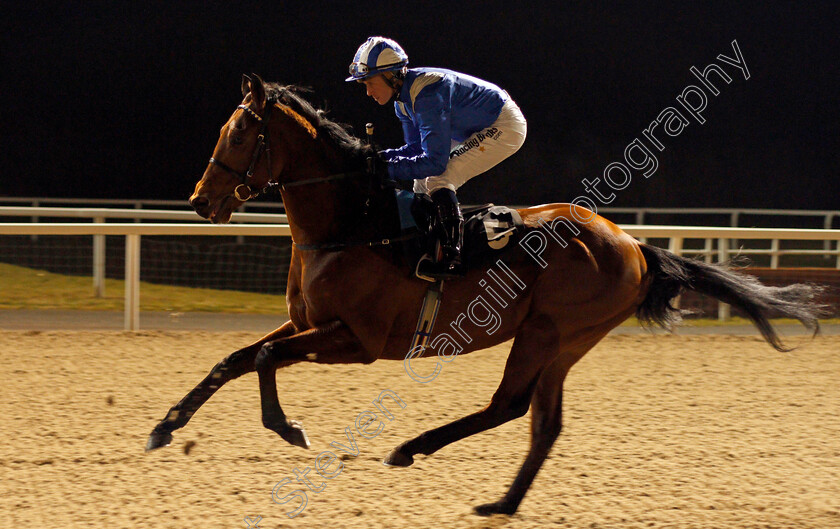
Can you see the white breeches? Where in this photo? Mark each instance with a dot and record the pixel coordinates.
(480, 152)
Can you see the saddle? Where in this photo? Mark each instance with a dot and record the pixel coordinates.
(487, 228)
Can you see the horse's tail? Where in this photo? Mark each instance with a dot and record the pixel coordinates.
(671, 274)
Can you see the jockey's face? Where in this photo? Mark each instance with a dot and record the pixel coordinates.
(378, 89)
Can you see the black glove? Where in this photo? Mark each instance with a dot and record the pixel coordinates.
(380, 169)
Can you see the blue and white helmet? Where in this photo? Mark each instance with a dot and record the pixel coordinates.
(375, 56)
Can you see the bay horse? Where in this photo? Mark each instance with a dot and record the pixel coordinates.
(353, 298)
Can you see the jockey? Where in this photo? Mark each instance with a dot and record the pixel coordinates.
(455, 127)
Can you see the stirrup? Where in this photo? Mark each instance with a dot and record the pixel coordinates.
(419, 274)
(443, 271)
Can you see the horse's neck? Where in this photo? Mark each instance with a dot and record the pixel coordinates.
(322, 213)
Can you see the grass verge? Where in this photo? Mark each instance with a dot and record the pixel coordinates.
(27, 288)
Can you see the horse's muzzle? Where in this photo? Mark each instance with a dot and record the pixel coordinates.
(201, 205)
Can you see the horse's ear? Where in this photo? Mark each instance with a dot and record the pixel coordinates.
(246, 85)
(257, 90)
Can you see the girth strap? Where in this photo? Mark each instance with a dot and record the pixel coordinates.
(335, 246)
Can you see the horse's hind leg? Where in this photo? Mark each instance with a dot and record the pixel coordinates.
(536, 344)
(546, 423)
(233, 366)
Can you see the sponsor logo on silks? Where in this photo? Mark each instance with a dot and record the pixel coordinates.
(476, 140)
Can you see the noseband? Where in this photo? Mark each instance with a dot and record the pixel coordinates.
(243, 192)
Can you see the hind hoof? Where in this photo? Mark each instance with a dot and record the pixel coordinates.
(158, 440)
(397, 459)
(295, 435)
(489, 509)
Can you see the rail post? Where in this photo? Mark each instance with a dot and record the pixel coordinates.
(99, 261)
(132, 282)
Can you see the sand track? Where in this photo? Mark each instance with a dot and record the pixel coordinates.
(667, 431)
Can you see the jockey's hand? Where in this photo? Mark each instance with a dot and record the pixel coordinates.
(381, 168)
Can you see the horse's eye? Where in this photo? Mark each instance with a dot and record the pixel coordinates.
(236, 140)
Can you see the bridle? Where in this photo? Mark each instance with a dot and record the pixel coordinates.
(244, 192)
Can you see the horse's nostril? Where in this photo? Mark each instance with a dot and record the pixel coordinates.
(199, 202)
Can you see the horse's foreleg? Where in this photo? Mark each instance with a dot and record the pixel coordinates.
(534, 347)
(233, 366)
(332, 343)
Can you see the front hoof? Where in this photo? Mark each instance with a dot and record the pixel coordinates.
(489, 509)
(158, 440)
(295, 435)
(397, 459)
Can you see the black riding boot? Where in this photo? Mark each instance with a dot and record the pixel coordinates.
(450, 232)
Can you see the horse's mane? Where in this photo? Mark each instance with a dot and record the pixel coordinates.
(338, 133)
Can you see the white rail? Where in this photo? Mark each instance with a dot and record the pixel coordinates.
(133, 231)
(134, 203)
(119, 228)
(100, 214)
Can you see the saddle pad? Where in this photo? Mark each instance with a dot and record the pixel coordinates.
(405, 200)
(491, 228)
(488, 231)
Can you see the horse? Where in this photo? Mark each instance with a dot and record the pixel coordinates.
(353, 298)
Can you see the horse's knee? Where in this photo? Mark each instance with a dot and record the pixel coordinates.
(265, 358)
(237, 363)
(509, 410)
(519, 409)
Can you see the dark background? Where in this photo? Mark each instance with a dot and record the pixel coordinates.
(125, 99)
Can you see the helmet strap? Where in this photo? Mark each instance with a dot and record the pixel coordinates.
(393, 81)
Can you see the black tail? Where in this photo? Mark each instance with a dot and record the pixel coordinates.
(672, 274)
